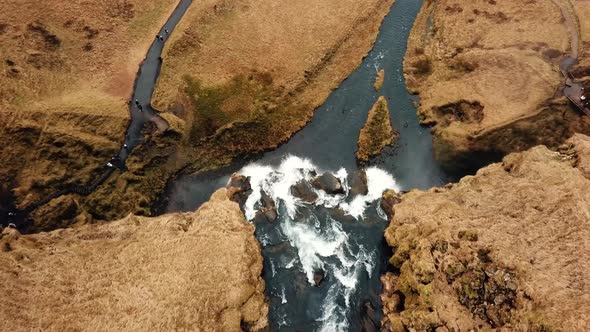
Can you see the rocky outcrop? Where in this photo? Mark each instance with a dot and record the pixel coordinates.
(377, 132)
(304, 191)
(191, 271)
(358, 183)
(488, 77)
(507, 248)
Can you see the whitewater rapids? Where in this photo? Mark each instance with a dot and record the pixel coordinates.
(319, 241)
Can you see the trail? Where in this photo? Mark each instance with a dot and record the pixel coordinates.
(573, 26)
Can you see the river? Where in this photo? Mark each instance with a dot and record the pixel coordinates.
(340, 235)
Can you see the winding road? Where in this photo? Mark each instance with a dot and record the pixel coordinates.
(141, 112)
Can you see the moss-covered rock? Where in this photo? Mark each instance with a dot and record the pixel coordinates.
(489, 252)
(379, 79)
(377, 132)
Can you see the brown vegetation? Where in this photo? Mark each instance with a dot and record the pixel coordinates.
(488, 69)
(379, 79)
(193, 271)
(377, 133)
(225, 92)
(507, 248)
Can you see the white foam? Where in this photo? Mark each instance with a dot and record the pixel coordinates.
(291, 264)
(378, 181)
(314, 243)
(332, 316)
(277, 183)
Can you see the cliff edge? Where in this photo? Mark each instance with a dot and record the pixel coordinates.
(192, 271)
(506, 248)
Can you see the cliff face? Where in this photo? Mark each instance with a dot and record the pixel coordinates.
(508, 247)
(487, 73)
(193, 271)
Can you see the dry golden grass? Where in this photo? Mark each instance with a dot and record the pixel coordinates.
(296, 49)
(199, 271)
(502, 56)
(379, 79)
(58, 48)
(265, 66)
(527, 215)
(222, 96)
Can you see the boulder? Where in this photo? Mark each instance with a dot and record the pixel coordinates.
(268, 211)
(328, 183)
(303, 191)
(318, 277)
(367, 315)
(358, 183)
(239, 189)
(388, 201)
(265, 215)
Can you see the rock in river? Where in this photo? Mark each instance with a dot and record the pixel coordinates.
(239, 188)
(318, 277)
(268, 211)
(358, 183)
(304, 191)
(328, 183)
(377, 133)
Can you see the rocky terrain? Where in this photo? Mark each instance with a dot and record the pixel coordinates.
(67, 70)
(488, 77)
(377, 133)
(194, 271)
(507, 248)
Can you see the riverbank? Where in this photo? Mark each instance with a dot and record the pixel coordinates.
(506, 248)
(339, 43)
(495, 87)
